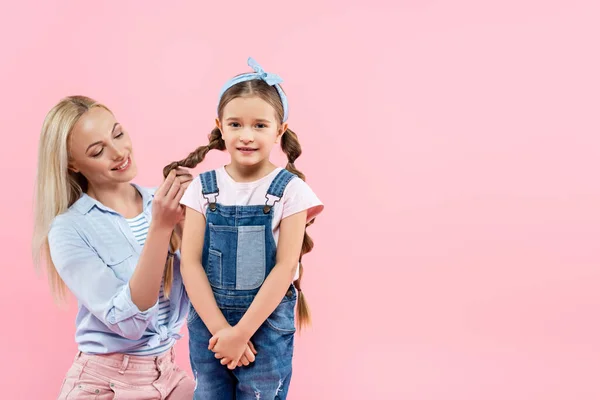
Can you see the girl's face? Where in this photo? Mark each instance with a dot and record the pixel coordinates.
(100, 149)
(250, 128)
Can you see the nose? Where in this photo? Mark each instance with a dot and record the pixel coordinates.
(118, 153)
(247, 136)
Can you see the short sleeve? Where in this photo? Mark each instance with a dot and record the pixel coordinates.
(193, 198)
(299, 197)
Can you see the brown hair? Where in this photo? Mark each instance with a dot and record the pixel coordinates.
(290, 146)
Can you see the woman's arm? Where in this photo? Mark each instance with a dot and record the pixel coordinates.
(95, 284)
(166, 214)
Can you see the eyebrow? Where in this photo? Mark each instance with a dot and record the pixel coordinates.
(257, 120)
(99, 142)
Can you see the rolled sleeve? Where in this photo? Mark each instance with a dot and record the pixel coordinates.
(124, 308)
(95, 284)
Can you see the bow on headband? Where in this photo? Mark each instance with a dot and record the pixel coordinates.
(259, 73)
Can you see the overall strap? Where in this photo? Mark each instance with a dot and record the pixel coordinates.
(210, 189)
(275, 192)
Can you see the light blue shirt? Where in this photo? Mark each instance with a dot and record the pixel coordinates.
(95, 252)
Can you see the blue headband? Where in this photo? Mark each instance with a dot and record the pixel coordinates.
(259, 73)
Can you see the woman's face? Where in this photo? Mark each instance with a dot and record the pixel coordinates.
(101, 150)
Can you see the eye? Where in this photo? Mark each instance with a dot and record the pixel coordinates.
(120, 135)
(261, 126)
(234, 124)
(98, 154)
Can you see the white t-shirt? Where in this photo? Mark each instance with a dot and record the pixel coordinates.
(297, 197)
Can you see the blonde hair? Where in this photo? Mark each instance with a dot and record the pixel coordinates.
(290, 146)
(57, 188)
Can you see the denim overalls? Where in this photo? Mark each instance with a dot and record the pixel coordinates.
(239, 252)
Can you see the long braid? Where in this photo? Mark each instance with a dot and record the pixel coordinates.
(191, 161)
(291, 147)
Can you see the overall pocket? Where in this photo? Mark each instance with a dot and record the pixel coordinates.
(283, 318)
(251, 260)
(214, 268)
(236, 257)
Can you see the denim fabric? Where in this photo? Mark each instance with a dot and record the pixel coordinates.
(239, 253)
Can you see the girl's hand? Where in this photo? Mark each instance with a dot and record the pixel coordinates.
(230, 346)
(247, 358)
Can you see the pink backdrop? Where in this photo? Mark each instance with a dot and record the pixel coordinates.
(455, 145)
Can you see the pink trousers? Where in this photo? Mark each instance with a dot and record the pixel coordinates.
(123, 377)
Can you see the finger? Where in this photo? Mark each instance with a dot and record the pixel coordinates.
(186, 184)
(182, 171)
(180, 193)
(185, 179)
(244, 361)
(184, 175)
(212, 342)
(249, 354)
(218, 356)
(173, 190)
(251, 345)
(180, 214)
(162, 190)
(225, 361)
(232, 365)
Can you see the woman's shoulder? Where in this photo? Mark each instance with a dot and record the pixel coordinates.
(146, 190)
(66, 227)
(71, 217)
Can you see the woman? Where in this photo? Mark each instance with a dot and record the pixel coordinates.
(108, 241)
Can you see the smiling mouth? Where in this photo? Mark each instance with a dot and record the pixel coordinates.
(123, 165)
(246, 149)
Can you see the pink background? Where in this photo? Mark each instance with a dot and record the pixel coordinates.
(455, 145)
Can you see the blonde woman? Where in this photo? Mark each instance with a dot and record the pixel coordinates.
(107, 241)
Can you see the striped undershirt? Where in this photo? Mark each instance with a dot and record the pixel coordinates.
(139, 226)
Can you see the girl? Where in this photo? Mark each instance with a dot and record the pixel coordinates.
(243, 239)
(107, 240)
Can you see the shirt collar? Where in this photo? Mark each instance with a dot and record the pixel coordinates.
(85, 203)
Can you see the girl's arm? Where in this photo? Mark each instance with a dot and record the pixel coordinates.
(291, 235)
(194, 278)
(229, 343)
